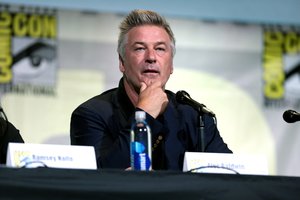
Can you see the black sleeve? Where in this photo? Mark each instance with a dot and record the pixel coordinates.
(214, 141)
(9, 134)
(97, 126)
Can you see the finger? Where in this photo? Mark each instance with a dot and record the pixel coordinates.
(143, 86)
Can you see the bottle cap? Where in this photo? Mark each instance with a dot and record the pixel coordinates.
(140, 115)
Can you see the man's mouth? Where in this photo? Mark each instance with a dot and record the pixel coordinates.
(150, 71)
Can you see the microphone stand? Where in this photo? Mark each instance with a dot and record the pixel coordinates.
(201, 143)
(184, 98)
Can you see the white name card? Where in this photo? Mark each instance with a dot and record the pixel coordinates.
(225, 163)
(51, 155)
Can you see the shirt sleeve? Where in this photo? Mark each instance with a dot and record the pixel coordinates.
(213, 141)
(100, 129)
(11, 134)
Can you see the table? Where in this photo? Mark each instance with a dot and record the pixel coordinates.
(50, 183)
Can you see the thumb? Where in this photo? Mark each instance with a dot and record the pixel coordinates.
(143, 87)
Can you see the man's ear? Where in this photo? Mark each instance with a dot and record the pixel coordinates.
(121, 64)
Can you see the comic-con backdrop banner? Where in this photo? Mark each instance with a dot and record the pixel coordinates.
(28, 50)
(281, 65)
(247, 74)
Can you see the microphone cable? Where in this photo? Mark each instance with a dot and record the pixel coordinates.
(211, 167)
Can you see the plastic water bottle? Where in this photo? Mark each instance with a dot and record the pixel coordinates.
(140, 146)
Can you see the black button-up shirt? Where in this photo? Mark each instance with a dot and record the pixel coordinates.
(104, 122)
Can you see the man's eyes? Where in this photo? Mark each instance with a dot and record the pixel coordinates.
(160, 49)
(139, 48)
(143, 48)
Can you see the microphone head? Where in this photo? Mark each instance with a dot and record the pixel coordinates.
(181, 95)
(184, 98)
(291, 116)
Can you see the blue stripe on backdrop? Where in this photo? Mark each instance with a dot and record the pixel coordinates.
(255, 11)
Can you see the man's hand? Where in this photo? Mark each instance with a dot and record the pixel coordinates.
(152, 98)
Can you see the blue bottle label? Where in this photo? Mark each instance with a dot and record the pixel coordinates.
(140, 157)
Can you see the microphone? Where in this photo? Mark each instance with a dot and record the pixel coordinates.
(291, 116)
(184, 98)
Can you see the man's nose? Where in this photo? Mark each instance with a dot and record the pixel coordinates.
(150, 56)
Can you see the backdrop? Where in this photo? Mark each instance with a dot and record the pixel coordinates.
(246, 73)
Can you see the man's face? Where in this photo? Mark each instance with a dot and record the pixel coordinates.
(148, 56)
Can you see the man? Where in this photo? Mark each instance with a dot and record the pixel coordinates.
(8, 133)
(146, 48)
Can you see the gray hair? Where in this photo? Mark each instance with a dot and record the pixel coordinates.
(138, 18)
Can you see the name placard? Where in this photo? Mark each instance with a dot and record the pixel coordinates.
(51, 155)
(225, 163)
